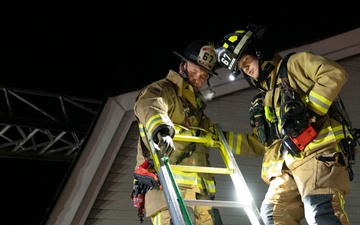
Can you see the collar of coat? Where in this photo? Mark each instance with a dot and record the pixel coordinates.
(184, 89)
(268, 83)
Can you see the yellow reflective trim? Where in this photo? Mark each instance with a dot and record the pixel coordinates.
(231, 139)
(200, 183)
(321, 98)
(319, 102)
(185, 177)
(342, 205)
(318, 107)
(238, 146)
(234, 142)
(210, 185)
(157, 219)
(152, 122)
(268, 114)
(193, 179)
(325, 136)
(141, 130)
(325, 131)
(184, 174)
(339, 132)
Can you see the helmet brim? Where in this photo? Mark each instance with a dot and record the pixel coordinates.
(183, 58)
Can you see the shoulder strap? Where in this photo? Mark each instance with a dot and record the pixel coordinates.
(286, 88)
(283, 74)
(283, 67)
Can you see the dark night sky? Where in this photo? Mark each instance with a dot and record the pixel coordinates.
(91, 48)
(95, 48)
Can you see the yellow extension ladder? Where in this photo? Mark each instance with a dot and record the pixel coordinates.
(177, 205)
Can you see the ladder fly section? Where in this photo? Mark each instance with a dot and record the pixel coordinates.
(171, 191)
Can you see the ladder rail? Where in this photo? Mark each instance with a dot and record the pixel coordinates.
(172, 195)
(239, 181)
(171, 191)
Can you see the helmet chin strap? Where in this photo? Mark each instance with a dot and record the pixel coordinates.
(183, 71)
(263, 73)
(212, 93)
(259, 55)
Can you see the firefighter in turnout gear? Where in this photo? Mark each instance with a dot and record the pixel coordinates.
(304, 163)
(176, 100)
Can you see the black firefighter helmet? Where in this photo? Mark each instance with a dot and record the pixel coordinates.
(235, 45)
(201, 53)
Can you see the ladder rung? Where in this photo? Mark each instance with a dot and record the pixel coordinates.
(179, 137)
(202, 169)
(232, 204)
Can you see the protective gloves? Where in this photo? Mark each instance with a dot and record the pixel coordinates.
(165, 144)
(146, 174)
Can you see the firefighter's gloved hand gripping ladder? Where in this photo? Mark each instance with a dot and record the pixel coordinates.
(177, 205)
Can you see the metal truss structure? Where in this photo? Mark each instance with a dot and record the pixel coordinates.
(44, 126)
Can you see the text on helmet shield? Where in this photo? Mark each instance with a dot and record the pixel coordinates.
(225, 58)
(207, 57)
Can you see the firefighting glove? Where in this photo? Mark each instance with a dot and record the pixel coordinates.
(165, 144)
(257, 120)
(146, 174)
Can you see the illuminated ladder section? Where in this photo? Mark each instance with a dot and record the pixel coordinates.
(177, 205)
